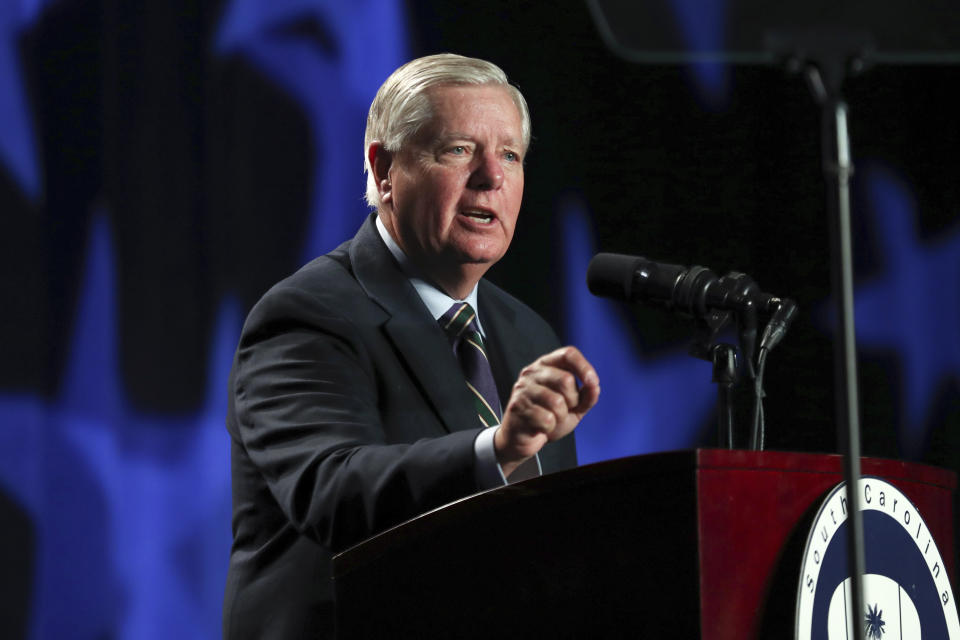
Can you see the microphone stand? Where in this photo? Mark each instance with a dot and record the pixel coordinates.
(823, 57)
(724, 357)
(838, 170)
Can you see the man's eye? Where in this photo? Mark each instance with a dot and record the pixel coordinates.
(458, 150)
(512, 156)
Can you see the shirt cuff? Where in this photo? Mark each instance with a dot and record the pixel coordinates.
(487, 471)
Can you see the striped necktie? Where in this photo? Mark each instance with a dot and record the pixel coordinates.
(460, 325)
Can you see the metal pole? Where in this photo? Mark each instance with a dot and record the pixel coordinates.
(839, 168)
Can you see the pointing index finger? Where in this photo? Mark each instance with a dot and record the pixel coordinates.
(570, 359)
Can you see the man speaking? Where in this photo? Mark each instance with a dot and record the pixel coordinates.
(387, 378)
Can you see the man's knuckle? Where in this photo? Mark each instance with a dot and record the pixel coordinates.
(549, 420)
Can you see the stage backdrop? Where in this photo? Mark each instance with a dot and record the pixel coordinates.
(163, 163)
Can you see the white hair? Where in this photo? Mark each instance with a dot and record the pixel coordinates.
(402, 106)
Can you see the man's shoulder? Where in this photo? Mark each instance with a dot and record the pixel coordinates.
(326, 285)
(323, 274)
(321, 277)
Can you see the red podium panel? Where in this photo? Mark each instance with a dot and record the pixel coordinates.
(755, 510)
(703, 543)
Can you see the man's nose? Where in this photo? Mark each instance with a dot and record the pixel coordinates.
(488, 174)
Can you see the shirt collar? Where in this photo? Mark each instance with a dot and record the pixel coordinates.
(436, 301)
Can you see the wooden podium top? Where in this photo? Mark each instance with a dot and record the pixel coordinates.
(633, 468)
(702, 543)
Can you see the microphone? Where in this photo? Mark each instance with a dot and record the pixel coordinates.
(695, 290)
(778, 325)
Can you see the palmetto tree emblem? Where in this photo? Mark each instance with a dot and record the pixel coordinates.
(873, 624)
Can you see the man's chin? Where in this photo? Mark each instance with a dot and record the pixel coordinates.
(474, 260)
(480, 253)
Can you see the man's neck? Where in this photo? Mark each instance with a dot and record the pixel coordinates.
(458, 286)
(457, 283)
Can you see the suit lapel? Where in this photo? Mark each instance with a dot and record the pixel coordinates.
(412, 330)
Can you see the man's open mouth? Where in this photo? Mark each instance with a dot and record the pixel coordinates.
(479, 215)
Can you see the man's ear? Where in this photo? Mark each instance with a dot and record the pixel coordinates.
(380, 161)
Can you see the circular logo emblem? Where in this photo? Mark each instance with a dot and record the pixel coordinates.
(906, 588)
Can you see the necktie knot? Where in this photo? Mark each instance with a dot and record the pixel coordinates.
(459, 319)
(460, 325)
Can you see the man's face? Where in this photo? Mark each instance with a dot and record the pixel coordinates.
(456, 187)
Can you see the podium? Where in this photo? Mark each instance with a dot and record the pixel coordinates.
(693, 544)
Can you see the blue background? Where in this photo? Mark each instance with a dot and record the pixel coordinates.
(163, 163)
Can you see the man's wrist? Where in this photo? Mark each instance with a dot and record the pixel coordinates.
(487, 470)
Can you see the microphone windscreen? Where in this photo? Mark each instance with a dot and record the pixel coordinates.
(611, 275)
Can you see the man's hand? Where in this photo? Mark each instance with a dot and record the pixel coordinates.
(545, 405)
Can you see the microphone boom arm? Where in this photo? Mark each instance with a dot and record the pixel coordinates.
(698, 292)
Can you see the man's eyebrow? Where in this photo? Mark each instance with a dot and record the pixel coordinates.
(456, 135)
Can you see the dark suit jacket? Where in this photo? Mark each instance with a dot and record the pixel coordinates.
(349, 414)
